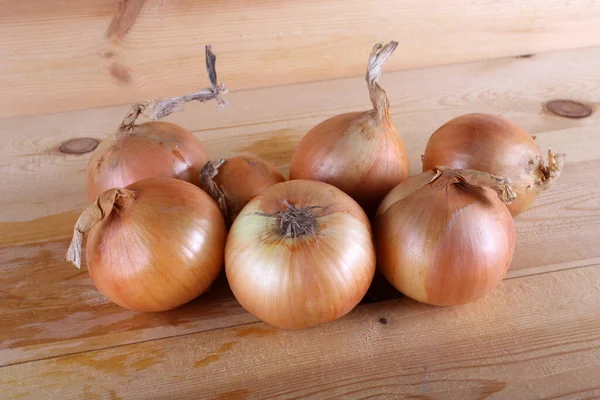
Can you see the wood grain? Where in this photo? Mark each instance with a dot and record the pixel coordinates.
(534, 337)
(39, 181)
(48, 308)
(78, 54)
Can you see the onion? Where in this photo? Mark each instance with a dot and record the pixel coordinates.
(299, 254)
(152, 149)
(232, 183)
(152, 246)
(496, 145)
(444, 237)
(360, 152)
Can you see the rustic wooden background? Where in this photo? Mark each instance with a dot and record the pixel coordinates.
(70, 69)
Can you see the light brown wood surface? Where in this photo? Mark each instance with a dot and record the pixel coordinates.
(78, 54)
(534, 337)
(537, 336)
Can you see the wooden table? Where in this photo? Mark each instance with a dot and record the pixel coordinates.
(536, 336)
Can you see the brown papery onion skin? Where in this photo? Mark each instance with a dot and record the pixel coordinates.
(361, 153)
(152, 246)
(153, 149)
(444, 237)
(233, 182)
(494, 144)
(299, 254)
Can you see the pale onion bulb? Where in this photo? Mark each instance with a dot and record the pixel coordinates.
(299, 254)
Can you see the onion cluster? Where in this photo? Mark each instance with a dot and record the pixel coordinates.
(302, 252)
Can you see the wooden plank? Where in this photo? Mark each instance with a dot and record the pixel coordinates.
(534, 337)
(59, 56)
(560, 230)
(38, 181)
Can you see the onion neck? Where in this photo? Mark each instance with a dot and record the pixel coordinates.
(159, 109)
(128, 122)
(207, 174)
(473, 182)
(102, 207)
(377, 59)
(549, 172)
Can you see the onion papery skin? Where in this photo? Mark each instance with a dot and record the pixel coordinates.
(355, 152)
(159, 250)
(441, 244)
(239, 179)
(360, 153)
(494, 144)
(296, 282)
(154, 149)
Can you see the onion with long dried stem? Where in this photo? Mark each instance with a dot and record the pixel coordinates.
(445, 236)
(233, 182)
(299, 254)
(152, 246)
(152, 149)
(496, 145)
(360, 152)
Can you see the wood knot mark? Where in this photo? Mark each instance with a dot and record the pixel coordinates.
(124, 19)
(569, 108)
(120, 72)
(78, 146)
